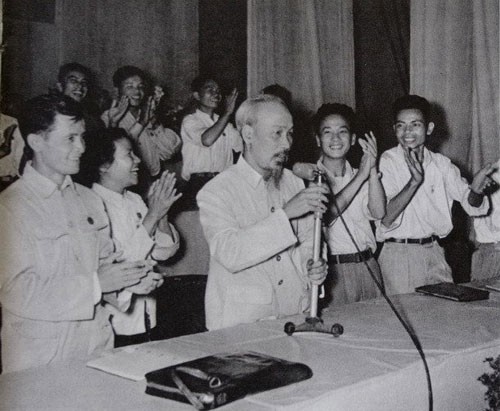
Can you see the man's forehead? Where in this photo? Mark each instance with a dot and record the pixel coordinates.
(77, 75)
(63, 123)
(412, 114)
(273, 112)
(133, 80)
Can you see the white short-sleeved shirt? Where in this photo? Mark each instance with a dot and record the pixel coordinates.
(429, 211)
(198, 158)
(356, 216)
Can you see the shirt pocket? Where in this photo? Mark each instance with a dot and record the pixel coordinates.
(51, 242)
(87, 240)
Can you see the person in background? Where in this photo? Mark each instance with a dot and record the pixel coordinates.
(57, 263)
(135, 112)
(209, 140)
(421, 187)
(486, 257)
(258, 220)
(358, 196)
(77, 82)
(110, 166)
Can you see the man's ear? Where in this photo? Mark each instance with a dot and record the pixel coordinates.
(430, 128)
(353, 139)
(59, 87)
(318, 141)
(247, 134)
(196, 95)
(35, 141)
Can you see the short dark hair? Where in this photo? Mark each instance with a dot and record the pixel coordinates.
(279, 91)
(67, 68)
(99, 150)
(199, 82)
(412, 101)
(125, 72)
(39, 113)
(329, 109)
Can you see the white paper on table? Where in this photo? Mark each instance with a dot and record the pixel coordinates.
(134, 361)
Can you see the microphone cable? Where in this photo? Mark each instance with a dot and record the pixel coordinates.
(408, 329)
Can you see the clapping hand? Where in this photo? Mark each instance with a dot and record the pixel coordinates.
(483, 183)
(162, 195)
(231, 102)
(118, 110)
(369, 159)
(151, 282)
(148, 111)
(115, 274)
(415, 159)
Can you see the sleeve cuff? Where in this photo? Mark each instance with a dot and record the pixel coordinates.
(97, 291)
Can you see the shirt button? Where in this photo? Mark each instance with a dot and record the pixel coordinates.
(272, 209)
(278, 258)
(280, 282)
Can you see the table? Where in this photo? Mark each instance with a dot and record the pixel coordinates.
(373, 366)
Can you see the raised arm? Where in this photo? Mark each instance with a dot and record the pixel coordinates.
(212, 134)
(414, 161)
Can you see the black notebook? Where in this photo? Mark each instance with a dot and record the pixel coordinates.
(212, 381)
(454, 292)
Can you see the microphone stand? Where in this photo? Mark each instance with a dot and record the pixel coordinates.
(314, 323)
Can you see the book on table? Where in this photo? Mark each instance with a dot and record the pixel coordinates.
(215, 380)
(454, 292)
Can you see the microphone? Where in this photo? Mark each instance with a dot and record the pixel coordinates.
(318, 179)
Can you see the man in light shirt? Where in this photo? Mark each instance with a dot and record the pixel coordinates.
(135, 112)
(208, 139)
(56, 254)
(257, 218)
(421, 187)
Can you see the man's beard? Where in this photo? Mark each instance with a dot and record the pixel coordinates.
(277, 172)
(275, 176)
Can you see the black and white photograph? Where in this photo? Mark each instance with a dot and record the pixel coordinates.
(250, 204)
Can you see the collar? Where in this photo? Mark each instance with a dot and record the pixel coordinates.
(206, 116)
(349, 171)
(109, 196)
(42, 185)
(248, 173)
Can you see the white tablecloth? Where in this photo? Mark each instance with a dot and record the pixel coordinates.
(373, 366)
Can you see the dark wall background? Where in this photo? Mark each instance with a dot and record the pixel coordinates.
(382, 56)
(223, 42)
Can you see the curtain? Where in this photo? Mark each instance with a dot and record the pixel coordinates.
(485, 138)
(454, 64)
(382, 54)
(305, 46)
(158, 36)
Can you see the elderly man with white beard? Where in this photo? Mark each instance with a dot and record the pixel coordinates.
(258, 220)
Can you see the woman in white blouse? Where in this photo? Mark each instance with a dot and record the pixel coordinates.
(139, 231)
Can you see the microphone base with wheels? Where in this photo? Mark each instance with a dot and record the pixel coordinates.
(314, 324)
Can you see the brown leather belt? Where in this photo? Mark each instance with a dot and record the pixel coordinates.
(420, 241)
(350, 258)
